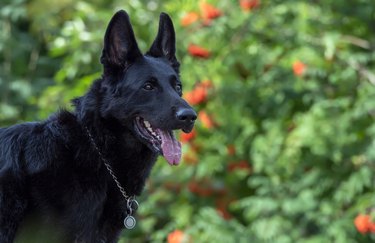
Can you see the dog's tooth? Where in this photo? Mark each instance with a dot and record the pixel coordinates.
(147, 124)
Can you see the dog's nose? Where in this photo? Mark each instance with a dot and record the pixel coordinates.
(186, 116)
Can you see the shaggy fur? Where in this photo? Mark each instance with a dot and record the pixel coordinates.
(51, 168)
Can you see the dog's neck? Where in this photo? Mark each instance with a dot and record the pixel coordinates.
(120, 154)
(118, 146)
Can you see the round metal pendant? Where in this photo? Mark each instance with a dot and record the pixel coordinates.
(129, 222)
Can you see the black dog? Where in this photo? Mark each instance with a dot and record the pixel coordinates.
(83, 168)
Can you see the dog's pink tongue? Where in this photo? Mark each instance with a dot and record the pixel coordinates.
(171, 147)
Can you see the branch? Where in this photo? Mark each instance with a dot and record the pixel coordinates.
(363, 71)
(356, 41)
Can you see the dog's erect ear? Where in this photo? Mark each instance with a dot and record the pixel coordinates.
(120, 47)
(165, 42)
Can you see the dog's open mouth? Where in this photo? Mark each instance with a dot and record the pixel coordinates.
(160, 141)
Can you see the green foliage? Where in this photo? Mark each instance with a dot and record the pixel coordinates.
(304, 158)
(24, 63)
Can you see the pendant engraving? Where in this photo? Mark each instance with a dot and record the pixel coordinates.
(129, 222)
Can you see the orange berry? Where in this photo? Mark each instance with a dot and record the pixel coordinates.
(190, 98)
(209, 11)
(200, 94)
(206, 84)
(222, 208)
(362, 222)
(299, 68)
(239, 165)
(176, 236)
(206, 120)
(198, 51)
(197, 96)
(187, 137)
(247, 5)
(201, 188)
(189, 18)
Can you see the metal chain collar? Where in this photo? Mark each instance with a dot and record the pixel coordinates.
(131, 202)
(107, 165)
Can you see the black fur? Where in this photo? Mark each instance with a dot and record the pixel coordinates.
(51, 168)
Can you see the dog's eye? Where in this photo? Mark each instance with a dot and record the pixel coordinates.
(148, 86)
(179, 88)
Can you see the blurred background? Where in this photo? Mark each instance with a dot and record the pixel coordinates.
(284, 146)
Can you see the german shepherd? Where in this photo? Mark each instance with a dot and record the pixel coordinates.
(84, 168)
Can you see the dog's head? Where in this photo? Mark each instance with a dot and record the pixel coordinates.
(144, 92)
